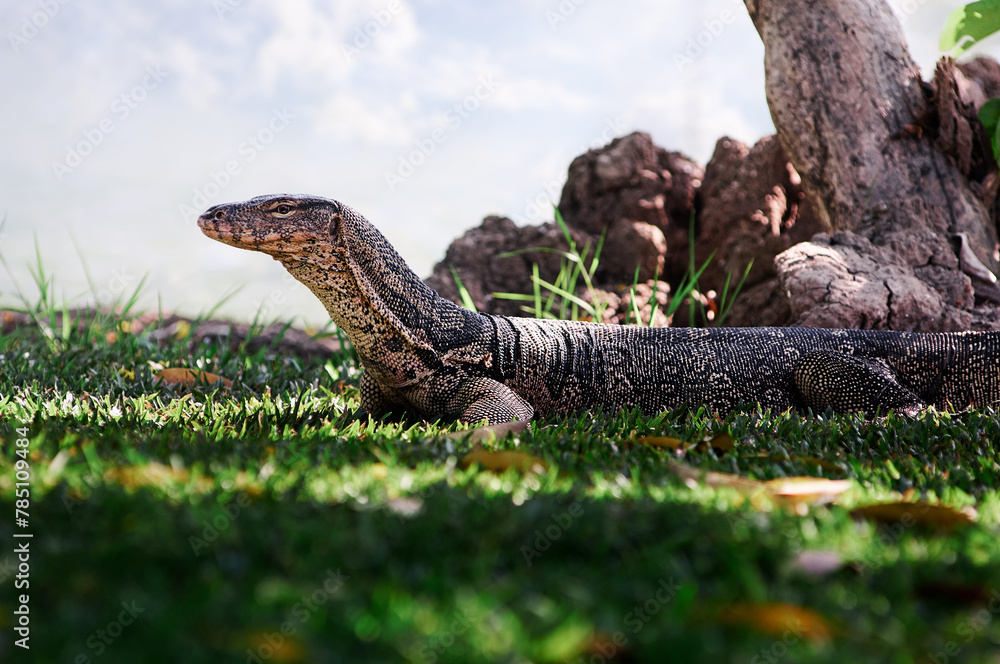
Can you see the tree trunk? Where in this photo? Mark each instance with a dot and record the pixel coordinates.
(884, 156)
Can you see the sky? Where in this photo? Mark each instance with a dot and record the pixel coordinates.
(123, 121)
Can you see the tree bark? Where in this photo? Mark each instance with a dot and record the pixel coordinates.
(878, 158)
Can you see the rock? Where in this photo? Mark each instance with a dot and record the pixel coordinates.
(752, 208)
(478, 258)
(846, 281)
(631, 243)
(626, 181)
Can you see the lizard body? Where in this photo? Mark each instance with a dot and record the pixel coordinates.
(424, 353)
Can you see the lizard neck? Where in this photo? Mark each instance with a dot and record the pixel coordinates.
(389, 284)
(391, 316)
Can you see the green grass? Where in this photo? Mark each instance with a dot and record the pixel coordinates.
(561, 302)
(221, 516)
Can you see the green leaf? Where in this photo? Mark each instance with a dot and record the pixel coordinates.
(462, 291)
(969, 24)
(566, 295)
(989, 113)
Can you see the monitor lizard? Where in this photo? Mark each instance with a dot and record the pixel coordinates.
(424, 353)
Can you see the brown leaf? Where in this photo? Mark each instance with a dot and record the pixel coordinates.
(189, 377)
(916, 513)
(662, 441)
(499, 462)
(807, 489)
(780, 620)
(722, 442)
(790, 492)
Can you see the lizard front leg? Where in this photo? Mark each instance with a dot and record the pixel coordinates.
(481, 399)
(376, 399)
(472, 398)
(845, 383)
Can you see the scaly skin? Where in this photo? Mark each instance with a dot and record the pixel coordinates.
(426, 354)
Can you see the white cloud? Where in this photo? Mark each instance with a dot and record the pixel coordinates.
(352, 118)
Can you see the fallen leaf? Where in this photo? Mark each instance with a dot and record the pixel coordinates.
(490, 433)
(722, 442)
(662, 441)
(797, 492)
(188, 377)
(499, 462)
(182, 329)
(916, 513)
(790, 492)
(780, 620)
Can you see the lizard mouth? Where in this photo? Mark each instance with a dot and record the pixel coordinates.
(226, 233)
(237, 235)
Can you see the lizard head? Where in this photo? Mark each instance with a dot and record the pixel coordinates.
(286, 227)
(364, 284)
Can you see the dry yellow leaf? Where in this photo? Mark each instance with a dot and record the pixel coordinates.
(916, 513)
(807, 489)
(499, 462)
(188, 377)
(182, 329)
(782, 620)
(795, 493)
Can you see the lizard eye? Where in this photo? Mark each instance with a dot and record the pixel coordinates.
(282, 210)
